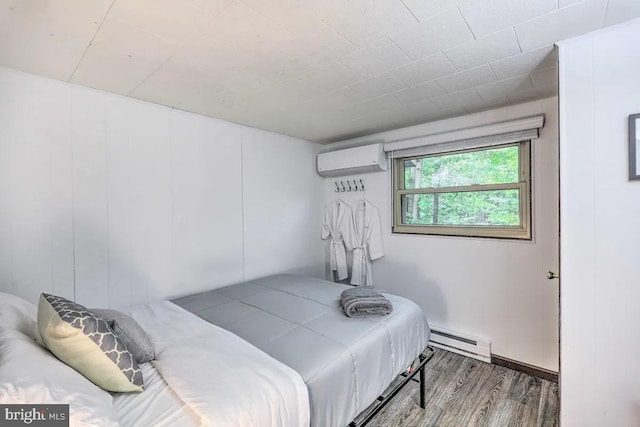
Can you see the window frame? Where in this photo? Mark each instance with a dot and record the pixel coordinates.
(522, 232)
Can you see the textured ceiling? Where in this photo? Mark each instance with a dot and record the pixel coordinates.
(322, 70)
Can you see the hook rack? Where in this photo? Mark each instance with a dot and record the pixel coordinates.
(352, 185)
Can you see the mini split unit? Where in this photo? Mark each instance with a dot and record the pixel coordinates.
(352, 161)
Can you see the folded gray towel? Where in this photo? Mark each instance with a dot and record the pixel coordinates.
(364, 301)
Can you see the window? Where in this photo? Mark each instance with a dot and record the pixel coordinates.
(480, 192)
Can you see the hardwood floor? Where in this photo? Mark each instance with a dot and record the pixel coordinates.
(465, 392)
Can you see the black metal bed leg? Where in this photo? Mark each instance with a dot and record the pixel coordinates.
(366, 416)
(423, 387)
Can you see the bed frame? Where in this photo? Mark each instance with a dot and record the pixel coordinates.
(382, 400)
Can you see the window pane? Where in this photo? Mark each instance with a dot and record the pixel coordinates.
(491, 166)
(494, 207)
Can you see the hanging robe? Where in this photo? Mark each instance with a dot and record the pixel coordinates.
(338, 225)
(367, 244)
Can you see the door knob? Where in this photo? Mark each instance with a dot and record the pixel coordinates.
(551, 275)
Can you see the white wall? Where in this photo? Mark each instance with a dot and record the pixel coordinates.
(599, 88)
(482, 287)
(115, 201)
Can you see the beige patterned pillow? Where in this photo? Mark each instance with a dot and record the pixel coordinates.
(85, 342)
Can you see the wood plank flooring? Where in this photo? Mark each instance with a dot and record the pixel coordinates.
(465, 392)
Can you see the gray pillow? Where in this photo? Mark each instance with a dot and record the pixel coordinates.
(130, 332)
(85, 342)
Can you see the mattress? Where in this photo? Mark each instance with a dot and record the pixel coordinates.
(346, 363)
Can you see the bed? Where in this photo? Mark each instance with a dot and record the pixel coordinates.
(199, 376)
(346, 363)
(273, 351)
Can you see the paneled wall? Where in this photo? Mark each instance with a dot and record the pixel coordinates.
(482, 287)
(599, 89)
(114, 201)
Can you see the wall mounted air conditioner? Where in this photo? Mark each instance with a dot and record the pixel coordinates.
(351, 161)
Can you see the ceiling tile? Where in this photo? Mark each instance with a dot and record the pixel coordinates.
(621, 10)
(275, 120)
(174, 20)
(294, 15)
(303, 19)
(112, 71)
(39, 52)
(525, 62)
(242, 28)
(48, 37)
(483, 105)
(79, 18)
(331, 101)
(426, 9)
(380, 121)
(120, 57)
(564, 23)
(565, 3)
(172, 86)
(423, 113)
(445, 30)
(213, 58)
(332, 77)
(184, 90)
(492, 47)
(503, 88)
(238, 103)
(376, 58)
(325, 55)
(282, 73)
(348, 130)
(366, 21)
(377, 86)
(394, 100)
(443, 114)
(414, 94)
(467, 79)
(253, 89)
(545, 77)
(456, 99)
(365, 108)
(487, 16)
(533, 94)
(415, 111)
(319, 43)
(425, 69)
(122, 37)
(304, 89)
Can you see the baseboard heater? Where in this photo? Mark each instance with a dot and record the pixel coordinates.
(477, 348)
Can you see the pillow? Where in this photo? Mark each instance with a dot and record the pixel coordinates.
(86, 343)
(130, 332)
(17, 314)
(29, 374)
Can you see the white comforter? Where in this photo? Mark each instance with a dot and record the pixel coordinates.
(223, 379)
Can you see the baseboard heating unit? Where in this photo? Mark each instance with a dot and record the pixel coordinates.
(477, 348)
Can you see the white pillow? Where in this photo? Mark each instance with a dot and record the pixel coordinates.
(18, 315)
(30, 374)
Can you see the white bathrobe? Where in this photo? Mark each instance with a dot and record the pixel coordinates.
(367, 244)
(338, 225)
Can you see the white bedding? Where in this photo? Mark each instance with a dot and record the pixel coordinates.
(221, 378)
(157, 406)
